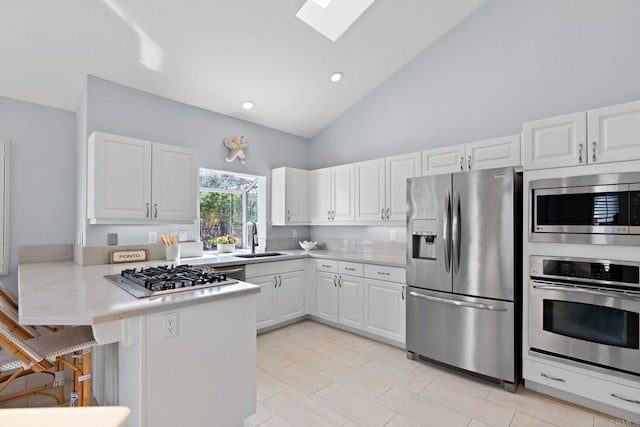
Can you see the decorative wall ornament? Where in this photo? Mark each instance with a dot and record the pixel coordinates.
(236, 146)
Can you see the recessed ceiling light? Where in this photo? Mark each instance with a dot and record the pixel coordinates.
(248, 105)
(336, 77)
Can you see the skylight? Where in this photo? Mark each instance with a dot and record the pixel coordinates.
(332, 18)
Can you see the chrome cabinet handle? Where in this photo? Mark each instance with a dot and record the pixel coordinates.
(625, 399)
(388, 211)
(333, 215)
(340, 281)
(579, 153)
(469, 163)
(384, 273)
(350, 269)
(155, 210)
(334, 281)
(280, 280)
(146, 215)
(403, 292)
(288, 215)
(593, 145)
(459, 303)
(329, 215)
(560, 380)
(461, 163)
(382, 214)
(275, 278)
(326, 266)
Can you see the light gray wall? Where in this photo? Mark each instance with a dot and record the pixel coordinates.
(511, 61)
(42, 192)
(121, 110)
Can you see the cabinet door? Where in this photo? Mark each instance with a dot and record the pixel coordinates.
(493, 153)
(398, 170)
(290, 294)
(370, 200)
(384, 309)
(175, 184)
(266, 314)
(343, 193)
(320, 195)
(614, 133)
(119, 178)
(297, 196)
(350, 300)
(555, 142)
(443, 160)
(327, 296)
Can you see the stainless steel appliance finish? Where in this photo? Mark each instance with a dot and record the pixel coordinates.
(475, 334)
(468, 282)
(586, 310)
(593, 209)
(161, 280)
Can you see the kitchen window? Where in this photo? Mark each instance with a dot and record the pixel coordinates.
(228, 201)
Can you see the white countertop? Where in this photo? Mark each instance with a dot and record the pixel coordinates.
(65, 293)
(96, 416)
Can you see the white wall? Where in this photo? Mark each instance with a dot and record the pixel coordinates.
(121, 110)
(42, 193)
(508, 62)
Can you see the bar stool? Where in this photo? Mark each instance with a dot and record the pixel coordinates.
(40, 353)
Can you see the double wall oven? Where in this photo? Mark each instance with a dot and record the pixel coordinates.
(586, 310)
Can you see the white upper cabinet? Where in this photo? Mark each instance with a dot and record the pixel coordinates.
(343, 193)
(119, 180)
(289, 196)
(174, 174)
(614, 133)
(381, 187)
(493, 153)
(397, 170)
(443, 160)
(370, 190)
(332, 197)
(320, 195)
(555, 142)
(131, 181)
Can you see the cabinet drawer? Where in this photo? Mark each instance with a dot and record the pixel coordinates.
(381, 272)
(609, 393)
(350, 268)
(328, 265)
(275, 267)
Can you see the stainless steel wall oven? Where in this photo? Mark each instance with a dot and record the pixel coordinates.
(586, 310)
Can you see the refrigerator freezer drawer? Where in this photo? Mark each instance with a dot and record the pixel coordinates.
(475, 334)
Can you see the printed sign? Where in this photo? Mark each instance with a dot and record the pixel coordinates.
(137, 255)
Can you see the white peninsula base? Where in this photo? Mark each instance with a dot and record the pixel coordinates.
(190, 366)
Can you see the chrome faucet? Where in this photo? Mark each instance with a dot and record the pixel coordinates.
(253, 236)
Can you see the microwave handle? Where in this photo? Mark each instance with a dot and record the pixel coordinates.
(581, 290)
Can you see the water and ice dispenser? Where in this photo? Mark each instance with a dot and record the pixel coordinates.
(424, 238)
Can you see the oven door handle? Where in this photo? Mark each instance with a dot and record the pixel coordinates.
(458, 303)
(581, 290)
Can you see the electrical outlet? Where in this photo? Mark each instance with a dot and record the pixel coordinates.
(182, 235)
(112, 239)
(392, 235)
(170, 325)
(153, 236)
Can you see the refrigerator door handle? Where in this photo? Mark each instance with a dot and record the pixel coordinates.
(455, 232)
(459, 303)
(446, 232)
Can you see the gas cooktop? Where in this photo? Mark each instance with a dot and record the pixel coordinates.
(150, 281)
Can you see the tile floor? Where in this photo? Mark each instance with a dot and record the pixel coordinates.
(309, 374)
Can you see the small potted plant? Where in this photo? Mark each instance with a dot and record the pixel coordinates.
(226, 243)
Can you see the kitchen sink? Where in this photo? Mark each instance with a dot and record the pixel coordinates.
(260, 255)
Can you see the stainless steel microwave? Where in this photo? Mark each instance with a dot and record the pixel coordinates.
(600, 209)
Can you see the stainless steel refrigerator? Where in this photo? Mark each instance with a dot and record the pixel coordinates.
(464, 271)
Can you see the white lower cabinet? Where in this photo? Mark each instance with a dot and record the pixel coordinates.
(281, 296)
(327, 296)
(566, 380)
(384, 309)
(350, 300)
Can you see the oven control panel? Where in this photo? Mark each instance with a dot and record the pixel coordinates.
(622, 273)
